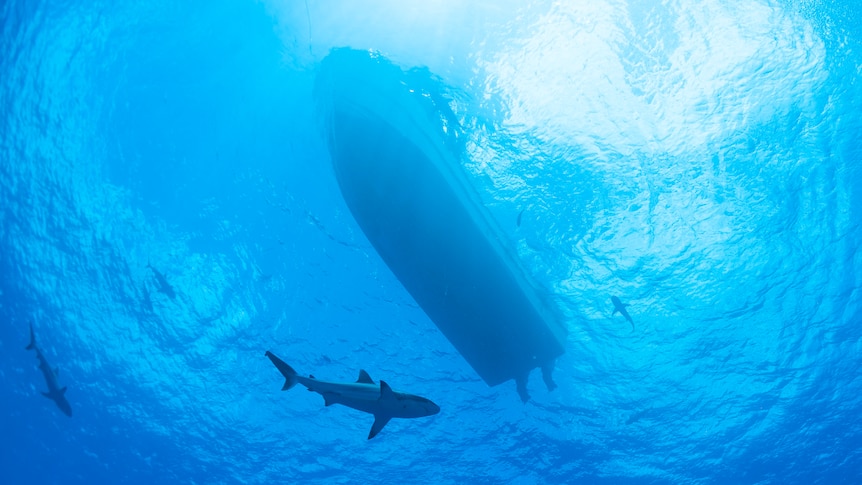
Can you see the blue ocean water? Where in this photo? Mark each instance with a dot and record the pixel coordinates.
(698, 159)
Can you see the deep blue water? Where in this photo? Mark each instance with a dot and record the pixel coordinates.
(698, 159)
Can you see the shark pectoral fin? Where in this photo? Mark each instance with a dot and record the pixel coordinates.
(63, 391)
(615, 311)
(364, 378)
(328, 399)
(379, 423)
(386, 392)
(47, 394)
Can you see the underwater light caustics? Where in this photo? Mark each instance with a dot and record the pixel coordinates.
(390, 139)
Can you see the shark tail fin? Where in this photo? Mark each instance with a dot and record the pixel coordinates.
(286, 370)
(32, 344)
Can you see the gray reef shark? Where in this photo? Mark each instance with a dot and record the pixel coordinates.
(621, 307)
(363, 395)
(55, 392)
(162, 283)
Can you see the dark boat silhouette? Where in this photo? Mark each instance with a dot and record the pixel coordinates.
(394, 149)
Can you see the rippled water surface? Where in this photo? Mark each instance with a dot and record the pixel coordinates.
(701, 160)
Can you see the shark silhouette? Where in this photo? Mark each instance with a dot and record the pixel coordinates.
(363, 395)
(55, 392)
(162, 284)
(621, 307)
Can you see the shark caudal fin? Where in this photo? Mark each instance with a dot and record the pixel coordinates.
(286, 370)
(32, 344)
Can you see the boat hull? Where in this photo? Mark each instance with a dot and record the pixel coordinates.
(402, 181)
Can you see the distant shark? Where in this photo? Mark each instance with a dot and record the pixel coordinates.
(621, 307)
(363, 395)
(162, 283)
(55, 392)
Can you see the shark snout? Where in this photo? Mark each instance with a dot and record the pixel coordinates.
(66, 408)
(416, 407)
(431, 408)
(63, 404)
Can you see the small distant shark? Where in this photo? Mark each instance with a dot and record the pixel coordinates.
(363, 395)
(162, 283)
(146, 301)
(621, 307)
(644, 413)
(55, 392)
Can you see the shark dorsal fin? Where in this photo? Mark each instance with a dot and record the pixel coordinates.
(311, 376)
(379, 421)
(364, 378)
(386, 393)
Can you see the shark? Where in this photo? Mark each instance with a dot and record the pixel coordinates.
(55, 392)
(363, 395)
(621, 307)
(162, 283)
